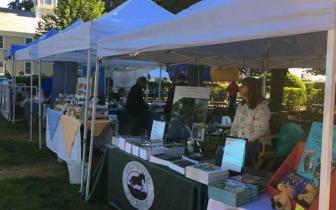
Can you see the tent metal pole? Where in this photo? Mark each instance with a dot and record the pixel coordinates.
(93, 127)
(160, 82)
(39, 105)
(328, 122)
(13, 89)
(87, 98)
(31, 107)
(264, 83)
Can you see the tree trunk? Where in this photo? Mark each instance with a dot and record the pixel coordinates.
(277, 89)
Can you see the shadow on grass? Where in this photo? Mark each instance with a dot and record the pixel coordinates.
(18, 153)
(34, 193)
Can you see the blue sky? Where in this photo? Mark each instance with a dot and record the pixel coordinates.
(3, 3)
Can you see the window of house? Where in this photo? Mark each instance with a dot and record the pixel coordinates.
(48, 2)
(29, 40)
(1, 42)
(2, 69)
(28, 68)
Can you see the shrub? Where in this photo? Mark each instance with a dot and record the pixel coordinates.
(295, 96)
(294, 81)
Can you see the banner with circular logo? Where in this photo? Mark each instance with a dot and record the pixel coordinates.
(138, 185)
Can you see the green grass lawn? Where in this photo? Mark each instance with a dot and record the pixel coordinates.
(31, 179)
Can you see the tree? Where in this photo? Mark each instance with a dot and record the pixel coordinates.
(25, 5)
(277, 89)
(48, 22)
(14, 5)
(68, 11)
(173, 6)
(316, 71)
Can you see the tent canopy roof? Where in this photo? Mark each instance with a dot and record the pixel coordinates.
(28, 52)
(287, 33)
(132, 14)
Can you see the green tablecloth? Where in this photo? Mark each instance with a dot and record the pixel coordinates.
(121, 178)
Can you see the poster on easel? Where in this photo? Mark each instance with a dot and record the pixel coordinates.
(81, 87)
(189, 112)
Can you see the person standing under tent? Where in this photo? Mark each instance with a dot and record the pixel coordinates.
(233, 90)
(137, 108)
(180, 81)
(46, 91)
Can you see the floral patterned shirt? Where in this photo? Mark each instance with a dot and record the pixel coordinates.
(251, 123)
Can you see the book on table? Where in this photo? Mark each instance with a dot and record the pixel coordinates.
(197, 158)
(259, 182)
(232, 192)
(180, 165)
(310, 163)
(162, 159)
(206, 173)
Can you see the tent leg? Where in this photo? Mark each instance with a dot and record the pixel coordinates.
(328, 122)
(264, 83)
(13, 90)
(31, 107)
(160, 82)
(93, 127)
(88, 88)
(39, 105)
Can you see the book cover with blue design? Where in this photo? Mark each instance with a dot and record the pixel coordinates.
(310, 164)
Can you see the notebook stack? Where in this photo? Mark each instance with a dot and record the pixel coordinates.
(206, 173)
(232, 192)
(259, 182)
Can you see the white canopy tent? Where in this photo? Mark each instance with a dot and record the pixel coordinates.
(130, 15)
(80, 44)
(264, 34)
(29, 53)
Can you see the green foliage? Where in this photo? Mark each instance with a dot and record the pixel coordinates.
(25, 5)
(316, 71)
(295, 96)
(48, 22)
(176, 6)
(294, 81)
(173, 6)
(68, 11)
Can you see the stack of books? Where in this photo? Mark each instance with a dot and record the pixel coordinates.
(232, 192)
(259, 182)
(175, 163)
(174, 149)
(162, 159)
(197, 158)
(206, 173)
(145, 151)
(180, 165)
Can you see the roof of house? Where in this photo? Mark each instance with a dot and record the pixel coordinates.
(17, 21)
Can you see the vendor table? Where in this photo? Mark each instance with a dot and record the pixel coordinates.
(128, 182)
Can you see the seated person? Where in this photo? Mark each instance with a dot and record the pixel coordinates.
(251, 120)
(137, 108)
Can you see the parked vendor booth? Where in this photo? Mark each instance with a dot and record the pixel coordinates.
(262, 34)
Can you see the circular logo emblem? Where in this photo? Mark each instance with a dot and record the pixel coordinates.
(138, 185)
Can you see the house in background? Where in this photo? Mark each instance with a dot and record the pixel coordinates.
(19, 27)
